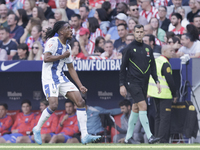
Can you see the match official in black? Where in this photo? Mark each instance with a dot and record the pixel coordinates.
(137, 65)
(163, 101)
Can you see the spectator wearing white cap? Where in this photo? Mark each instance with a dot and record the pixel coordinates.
(112, 32)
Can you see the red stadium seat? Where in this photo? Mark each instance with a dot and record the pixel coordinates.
(13, 114)
(118, 122)
(37, 112)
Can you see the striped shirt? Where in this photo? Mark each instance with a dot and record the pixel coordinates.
(93, 36)
(53, 71)
(150, 14)
(158, 3)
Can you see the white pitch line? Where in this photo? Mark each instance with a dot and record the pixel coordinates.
(101, 146)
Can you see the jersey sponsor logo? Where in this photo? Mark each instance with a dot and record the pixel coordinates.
(147, 50)
(4, 68)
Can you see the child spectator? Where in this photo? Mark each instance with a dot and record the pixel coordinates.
(36, 51)
(22, 52)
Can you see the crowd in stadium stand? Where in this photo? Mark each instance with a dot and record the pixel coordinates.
(101, 30)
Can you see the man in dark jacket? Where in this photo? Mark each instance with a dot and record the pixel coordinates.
(137, 65)
(163, 21)
(48, 13)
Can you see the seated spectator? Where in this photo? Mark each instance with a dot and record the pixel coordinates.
(184, 21)
(63, 5)
(23, 18)
(119, 44)
(35, 36)
(73, 4)
(122, 7)
(14, 4)
(3, 15)
(51, 22)
(137, 137)
(27, 31)
(48, 13)
(68, 125)
(83, 40)
(148, 29)
(5, 120)
(76, 50)
(101, 16)
(22, 52)
(134, 13)
(110, 12)
(149, 39)
(44, 30)
(76, 25)
(175, 43)
(131, 24)
(110, 53)
(112, 32)
(22, 125)
(48, 129)
(94, 124)
(194, 10)
(38, 13)
(98, 51)
(6, 43)
(197, 22)
(95, 31)
(99, 42)
(15, 31)
(36, 51)
(84, 12)
(28, 7)
(176, 19)
(163, 21)
(148, 10)
(3, 55)
(191, 29)
(190, 46)
(129, 38)
(168, 35)
(157, 32)
(60, 15)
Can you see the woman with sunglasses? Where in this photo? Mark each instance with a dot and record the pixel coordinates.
(36, 51)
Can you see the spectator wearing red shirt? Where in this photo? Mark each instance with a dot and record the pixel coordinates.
(68, 125)
(48, 129)
(176, 19)
(76, 25)
(23, 124)
(96, 3)
(148, 10)
(5, 120)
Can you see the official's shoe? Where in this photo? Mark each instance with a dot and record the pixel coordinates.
(89, 138)
(131, 141)
(37, 136)
(153, 140)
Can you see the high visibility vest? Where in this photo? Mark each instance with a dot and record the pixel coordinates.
(165, 90)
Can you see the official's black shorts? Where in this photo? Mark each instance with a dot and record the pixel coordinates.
(138, 92)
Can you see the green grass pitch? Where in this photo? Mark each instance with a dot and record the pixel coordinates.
(101, 146)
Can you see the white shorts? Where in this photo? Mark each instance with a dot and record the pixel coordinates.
(52, 90)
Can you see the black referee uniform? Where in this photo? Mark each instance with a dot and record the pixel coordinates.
(137, 65)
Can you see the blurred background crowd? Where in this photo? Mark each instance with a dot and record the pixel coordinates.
(101, 28)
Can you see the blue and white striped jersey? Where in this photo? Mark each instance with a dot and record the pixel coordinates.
(52, 72)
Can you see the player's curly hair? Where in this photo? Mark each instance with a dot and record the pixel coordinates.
(57, 26)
